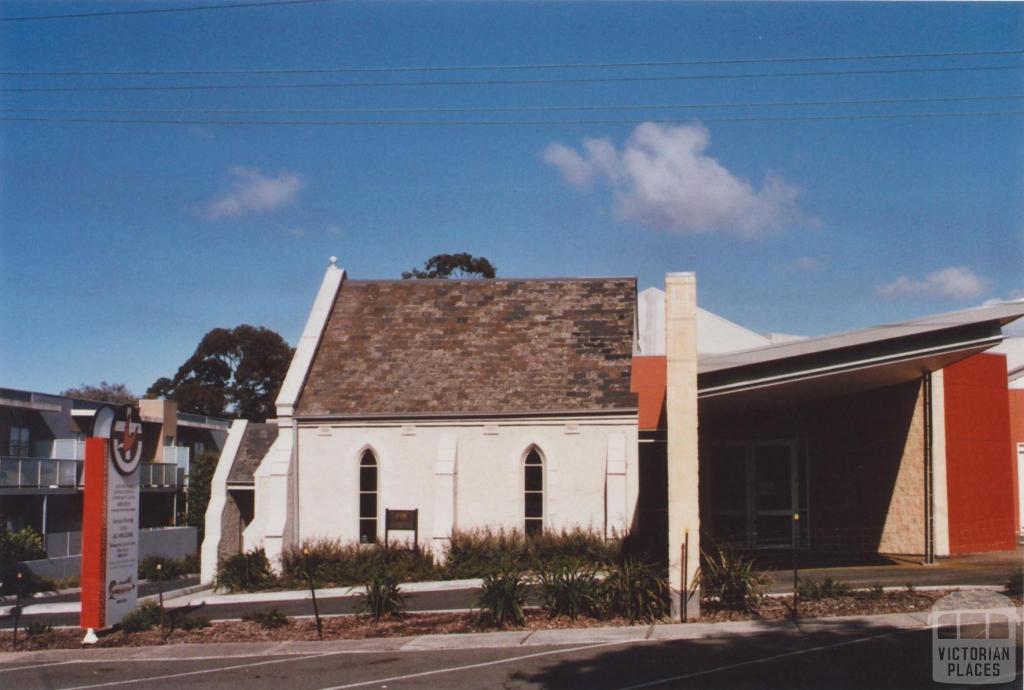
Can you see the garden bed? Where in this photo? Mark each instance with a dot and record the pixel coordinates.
(362, 627)
(856, 603)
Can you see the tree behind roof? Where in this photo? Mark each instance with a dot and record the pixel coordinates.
(461, 265)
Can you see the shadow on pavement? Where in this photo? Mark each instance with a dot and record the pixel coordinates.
(849, 655)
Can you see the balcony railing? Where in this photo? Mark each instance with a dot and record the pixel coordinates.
(44, 473)
(39, 473)
(158, 474)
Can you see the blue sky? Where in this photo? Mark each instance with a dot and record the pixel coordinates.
(122, 244)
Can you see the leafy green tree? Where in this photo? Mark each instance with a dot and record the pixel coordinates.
(115, 393)
(461, 265)
(199, 479)
(232, 373)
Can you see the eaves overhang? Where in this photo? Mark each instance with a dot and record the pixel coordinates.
(848, 363)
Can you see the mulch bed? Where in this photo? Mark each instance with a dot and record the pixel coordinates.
(361, 627)
(853, 604)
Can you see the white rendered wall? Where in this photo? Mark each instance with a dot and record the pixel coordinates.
(218, 499)
(468, 474)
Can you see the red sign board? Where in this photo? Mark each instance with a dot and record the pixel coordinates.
(110, 518)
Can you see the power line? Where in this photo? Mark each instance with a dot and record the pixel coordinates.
(516, 109)
(504, 82)
(505, 123)
(165, 10)
(528, 66)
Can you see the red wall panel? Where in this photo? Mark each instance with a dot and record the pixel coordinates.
(649, 382)
(980, 470)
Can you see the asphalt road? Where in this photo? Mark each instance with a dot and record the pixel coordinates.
(850, 658)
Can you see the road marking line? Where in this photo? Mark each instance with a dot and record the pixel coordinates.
(149, 659)
(762, 660)
(47, 665)
(497, 662)
(151, 679)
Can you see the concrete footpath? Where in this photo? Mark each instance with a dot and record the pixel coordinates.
(488, 640)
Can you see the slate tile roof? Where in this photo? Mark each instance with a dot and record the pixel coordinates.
(448, 347)
(256, 441)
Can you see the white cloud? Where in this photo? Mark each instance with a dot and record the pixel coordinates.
(253, 192)
(333, 229)
(662, 177)
(954, 283)
(1014, 296)
(296, 232)
(806, 264)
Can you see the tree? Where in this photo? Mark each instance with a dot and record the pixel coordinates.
(458, 265)
(115, 393)
(199, 480)
(232, 373)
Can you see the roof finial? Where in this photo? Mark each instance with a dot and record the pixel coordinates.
(334, 261)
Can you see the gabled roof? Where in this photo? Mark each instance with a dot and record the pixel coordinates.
(474, 347)
(715, 334)
(256, 441)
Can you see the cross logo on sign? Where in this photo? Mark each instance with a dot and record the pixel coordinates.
(126, 441)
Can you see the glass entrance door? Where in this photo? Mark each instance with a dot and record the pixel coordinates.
(756, 487)
(774, 496)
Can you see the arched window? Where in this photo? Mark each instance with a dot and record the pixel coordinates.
(533, 484)
(368, 498)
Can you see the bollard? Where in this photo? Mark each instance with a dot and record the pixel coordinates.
(312, 592)
(160, 592)
(796, 562)
(17, 609)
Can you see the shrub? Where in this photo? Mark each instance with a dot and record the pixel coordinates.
(825, 589)
(501, 599)
(170, 568)
(570, 588)
(731, 578)
(268, 619)
(338, 563)
(194, 622)
(28, 584)
(637, 591)
(876, 591)
(479, 552)
(35, 628)
(1015, 585)
(586, 546)
(383, 597)
(24, 545)
(245, 572)
(142, 618)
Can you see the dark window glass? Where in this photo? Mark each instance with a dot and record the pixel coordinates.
(367, 478)
(534, 478)
(534, 505)
(533, 485)
(367, 505)
(368, 498)
(729, 478)
(367, 531)
(774, 476)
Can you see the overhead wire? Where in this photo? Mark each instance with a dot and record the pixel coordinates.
(513, 67)
(400, 123)
(164, 10)
(503, 82)
(513, 109)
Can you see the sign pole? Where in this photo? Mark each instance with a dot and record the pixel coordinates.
(110, 519)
